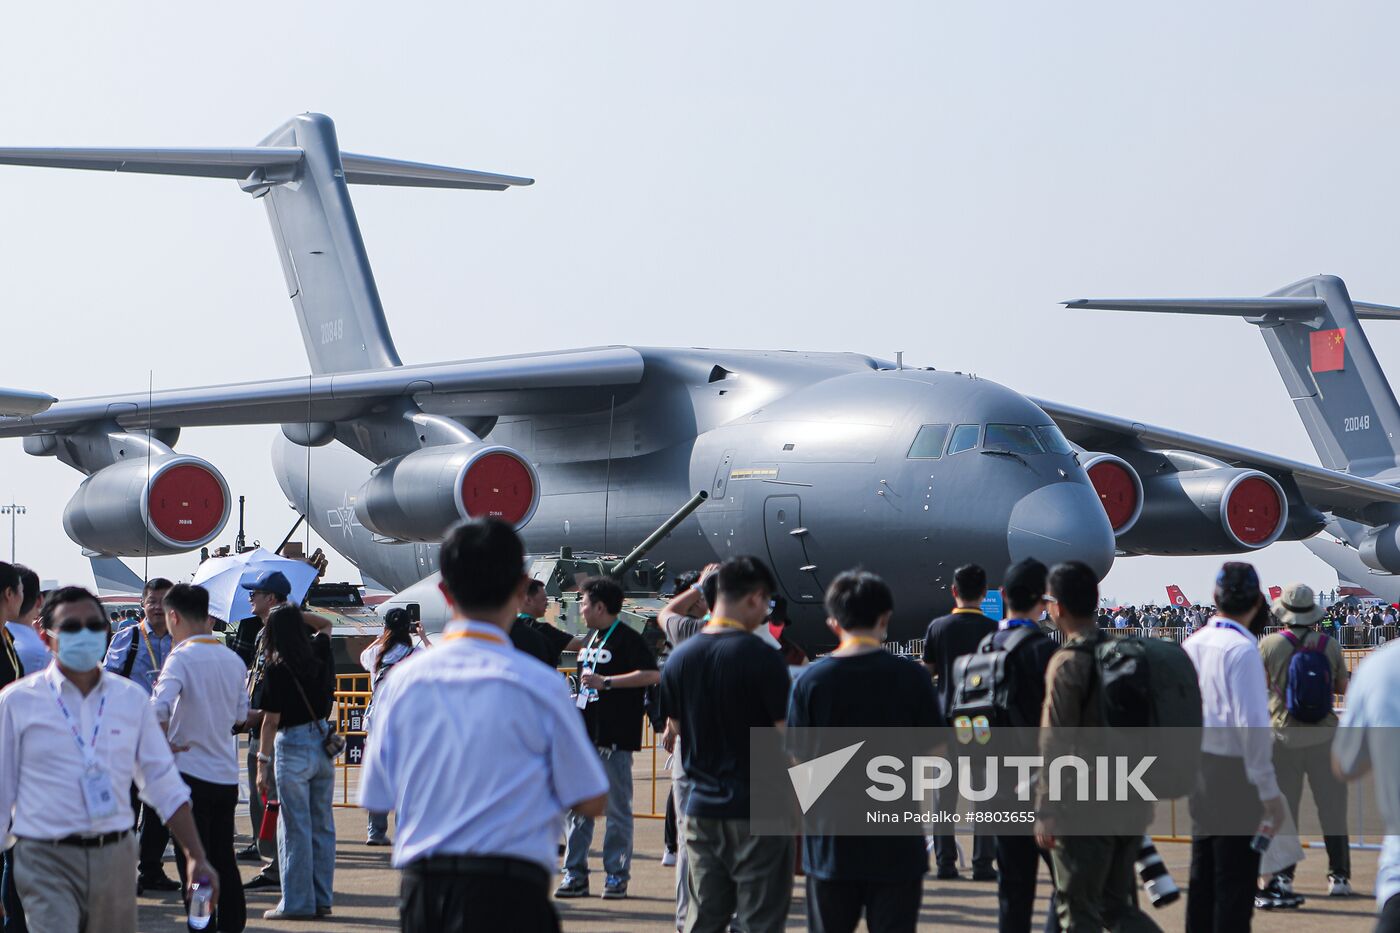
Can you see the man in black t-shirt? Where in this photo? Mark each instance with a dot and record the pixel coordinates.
(531, 616)
(716, 686)
(949, 638)
(1023, 590)
(615, 668)
(860, 684)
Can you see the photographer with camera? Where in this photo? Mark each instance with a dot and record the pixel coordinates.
(393, 645)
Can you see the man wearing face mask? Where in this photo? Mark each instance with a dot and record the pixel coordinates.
(137, 653)
(79, 735)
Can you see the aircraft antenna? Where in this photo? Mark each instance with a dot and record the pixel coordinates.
(150, 406)
(607, 475)
(307, 511)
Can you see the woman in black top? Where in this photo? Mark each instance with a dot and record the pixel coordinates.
(296, 697)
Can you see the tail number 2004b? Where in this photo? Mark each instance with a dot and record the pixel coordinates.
(1356, 423)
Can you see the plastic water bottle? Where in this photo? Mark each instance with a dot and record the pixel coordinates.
(201, 903)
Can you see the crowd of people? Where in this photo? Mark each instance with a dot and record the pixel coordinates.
(116, 740)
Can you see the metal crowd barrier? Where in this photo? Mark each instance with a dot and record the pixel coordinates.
(352, 695)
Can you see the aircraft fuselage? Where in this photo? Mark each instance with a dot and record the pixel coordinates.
(807, 459)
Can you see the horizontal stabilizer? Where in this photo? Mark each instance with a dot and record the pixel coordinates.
(1279, 307)
(238, 164)
(1369, 311)
(20, 402)
(373, 170)
(202, 163)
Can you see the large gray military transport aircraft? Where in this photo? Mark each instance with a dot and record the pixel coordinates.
(816, 461)
(1313, 331)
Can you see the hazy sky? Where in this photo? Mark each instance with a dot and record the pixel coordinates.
(926, 177)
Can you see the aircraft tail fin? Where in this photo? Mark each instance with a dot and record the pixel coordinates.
(1313, 330)
(1177, 598)
(301, 175)
(114, 578)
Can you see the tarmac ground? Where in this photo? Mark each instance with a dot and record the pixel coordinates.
(366, 890)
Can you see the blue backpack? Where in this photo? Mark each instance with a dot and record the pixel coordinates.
(1309, 697)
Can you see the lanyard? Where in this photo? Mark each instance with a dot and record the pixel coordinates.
(198, 640)
(589, 647)
(89, 751)
(10, 652)
(975, 612)
(1026, 623)
(722, 622)
(145, 640)
(1226, 623)
(479, 636)
(858, 641)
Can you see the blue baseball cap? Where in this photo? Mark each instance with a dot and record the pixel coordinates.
(267, 581)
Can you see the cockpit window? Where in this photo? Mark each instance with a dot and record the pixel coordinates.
(1052, 439)
(928, 444)
(964, 438)
(1012, 438)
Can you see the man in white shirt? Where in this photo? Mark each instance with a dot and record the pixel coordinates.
(138, 653)
(29, 645)
(1368, 742)
(75, 738)
(1237, 785)
(480, 798)
(199, 700)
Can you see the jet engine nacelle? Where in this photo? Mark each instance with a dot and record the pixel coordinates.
(1118, 486)
(124, 511)
(418, 496)
(1380, 549)
(1222, 510)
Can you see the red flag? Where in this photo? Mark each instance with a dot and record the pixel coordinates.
(1328, 350)
(1275, 592)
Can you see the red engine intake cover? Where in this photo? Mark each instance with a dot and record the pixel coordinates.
(1253, 510)
(499, 485)
(186, 503)
(1116, 490)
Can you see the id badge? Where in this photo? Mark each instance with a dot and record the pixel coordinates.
(98, 795)
(584, 696)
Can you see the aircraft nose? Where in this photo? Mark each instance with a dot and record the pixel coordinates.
(1060, 522)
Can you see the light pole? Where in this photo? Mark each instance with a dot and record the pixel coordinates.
(14, 511)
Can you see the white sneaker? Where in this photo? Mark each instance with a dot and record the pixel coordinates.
(1339, 886)
(668, 859)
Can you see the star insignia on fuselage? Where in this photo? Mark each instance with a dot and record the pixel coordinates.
(344, 517)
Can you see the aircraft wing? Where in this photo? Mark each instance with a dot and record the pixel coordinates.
(541, 382)
(1363, 500)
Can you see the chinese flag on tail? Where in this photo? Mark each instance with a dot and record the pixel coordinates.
(1328, 350)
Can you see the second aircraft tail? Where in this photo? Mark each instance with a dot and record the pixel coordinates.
(1313, 330)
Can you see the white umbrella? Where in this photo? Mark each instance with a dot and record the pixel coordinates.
(221, 576)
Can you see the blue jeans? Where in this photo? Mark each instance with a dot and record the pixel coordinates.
(305, 824)
(617, 837)
(378, 825)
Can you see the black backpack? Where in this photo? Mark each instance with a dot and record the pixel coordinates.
(1150, 683)
(984, 695)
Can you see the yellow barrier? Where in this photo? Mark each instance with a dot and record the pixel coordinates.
(352, 696)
